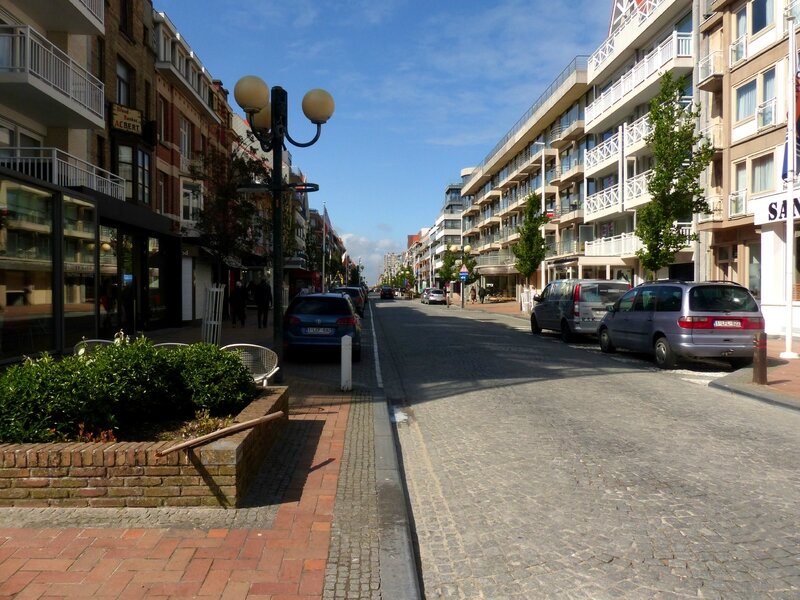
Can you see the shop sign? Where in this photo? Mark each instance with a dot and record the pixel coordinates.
(773, 210)
(126, 119)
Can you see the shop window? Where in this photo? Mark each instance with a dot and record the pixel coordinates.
(754, 268)
(125, 168)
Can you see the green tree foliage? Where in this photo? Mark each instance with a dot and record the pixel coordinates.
(681, 155)
(448, 270)
(531, 248)
(230, 223)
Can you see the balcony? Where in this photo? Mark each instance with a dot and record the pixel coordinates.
(766, 114)
(562, 248)
(738, 205)
(603, 156)
(59, 168)
(710, 70)
(83, 17)
(568, 212)
(622, 245)
(636, 134)
(641, 82)
(738, 50)
(604, 202)
(36, 78)
(571, 171)
(636, 192)
(714, 134)
(715, 204)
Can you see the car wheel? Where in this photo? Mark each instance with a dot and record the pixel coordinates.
(566, 332)
(606, 345)
(535, 325)
(740, 362)
(665, 357)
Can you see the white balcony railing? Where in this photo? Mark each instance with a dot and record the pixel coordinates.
(713, 133)
(710, 65)
(624, 244)
(636, 187)
(602, 152)
(95, 7)
(715, 204)
(603, 200)
(738, 49)
(637, 14)
(638, 130)
(737, 203)
(678, 45)
(59, 168)
(765, 113)
(23, 50)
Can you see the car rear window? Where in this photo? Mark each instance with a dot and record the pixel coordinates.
(320, 306)
(721, 298)
(352, 292)
(605, 293)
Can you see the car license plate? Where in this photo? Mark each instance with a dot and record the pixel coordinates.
(317, 330)
(728, 323)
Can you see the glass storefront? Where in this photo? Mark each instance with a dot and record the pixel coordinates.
(80, 246)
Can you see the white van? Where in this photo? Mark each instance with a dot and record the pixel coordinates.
(575, 306)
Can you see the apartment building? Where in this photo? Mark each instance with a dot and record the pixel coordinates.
(743, 75)
(541, 154)
(50, 103)
(193, 120)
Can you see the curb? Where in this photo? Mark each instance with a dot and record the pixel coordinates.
(739, 383)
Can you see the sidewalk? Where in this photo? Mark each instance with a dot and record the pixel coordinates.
(327, 519)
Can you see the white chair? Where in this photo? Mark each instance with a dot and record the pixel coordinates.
(87, 346)
(259, 360)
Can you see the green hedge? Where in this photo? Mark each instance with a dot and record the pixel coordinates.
(117, 388)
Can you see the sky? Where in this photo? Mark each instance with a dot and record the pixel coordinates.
(422, 90)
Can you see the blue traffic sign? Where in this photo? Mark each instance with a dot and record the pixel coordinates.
(463, 276)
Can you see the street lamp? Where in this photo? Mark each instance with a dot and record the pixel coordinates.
(266, 112)
(463, 250)
(791, 174)
(541, 269)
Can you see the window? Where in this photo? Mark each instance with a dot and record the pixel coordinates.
(124, 81)
(126, 16)
(161, 201)
(766, 110)
(125, 168)
(186, 138)
(143, 178)
(762, 175)
(191, 200)
(163, 125)
(746, 100)
(761, 15)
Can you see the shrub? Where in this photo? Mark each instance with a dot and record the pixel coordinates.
(118, 387)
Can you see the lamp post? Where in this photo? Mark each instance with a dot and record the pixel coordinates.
(541, 269)
(791, 174)
(267, 116)
(462, 250)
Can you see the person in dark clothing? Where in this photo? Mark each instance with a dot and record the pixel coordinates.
(482, 293)
(263, 298)
(238, 303)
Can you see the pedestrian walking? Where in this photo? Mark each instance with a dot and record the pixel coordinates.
(263, 298)
(238, 304)
(482, 293)
(472, 295)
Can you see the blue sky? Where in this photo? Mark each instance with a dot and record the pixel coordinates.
(422, 90)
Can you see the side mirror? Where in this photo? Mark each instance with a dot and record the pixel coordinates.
(537, 298)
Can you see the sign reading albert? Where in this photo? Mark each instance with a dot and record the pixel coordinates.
(127, 119)
(773, 209)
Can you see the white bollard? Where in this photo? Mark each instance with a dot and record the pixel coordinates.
(347, 363)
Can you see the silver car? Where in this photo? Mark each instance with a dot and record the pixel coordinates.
(677, 319)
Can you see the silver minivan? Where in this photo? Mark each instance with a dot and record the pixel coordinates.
(674, 319)
(575, 306)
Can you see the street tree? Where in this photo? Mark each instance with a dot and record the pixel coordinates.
(531, 248)
(230, 223)
(680, 155)
(448, 270)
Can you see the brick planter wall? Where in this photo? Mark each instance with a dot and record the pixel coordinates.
(130, 474)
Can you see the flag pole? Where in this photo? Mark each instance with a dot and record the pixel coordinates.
(791, 173)
(324, 242)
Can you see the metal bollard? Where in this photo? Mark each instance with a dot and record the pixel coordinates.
(760, 358)
(347, 363)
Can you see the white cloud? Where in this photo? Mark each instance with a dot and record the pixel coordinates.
(370, 252)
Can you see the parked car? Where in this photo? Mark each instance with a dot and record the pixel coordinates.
(424, 296)
(355, 295)
(320, 321)
(386, 292)
(574, 306)
(436, 296)
(677, 319)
